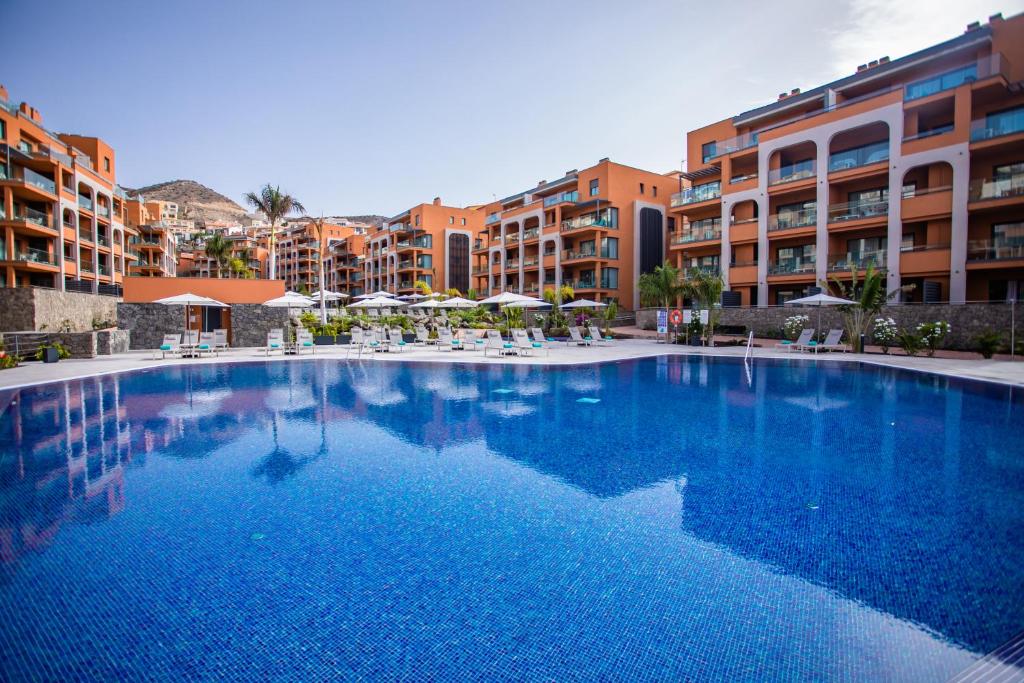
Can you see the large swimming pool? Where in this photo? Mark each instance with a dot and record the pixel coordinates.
(664, 519)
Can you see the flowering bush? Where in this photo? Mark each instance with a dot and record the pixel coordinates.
(932, 334)
(8, 361)
(794, 324)
(886, 333)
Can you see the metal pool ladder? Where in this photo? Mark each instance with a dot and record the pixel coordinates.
(750, 347)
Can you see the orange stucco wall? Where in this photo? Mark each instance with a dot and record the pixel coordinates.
(148, 289)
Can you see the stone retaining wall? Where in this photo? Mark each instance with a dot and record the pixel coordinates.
(250, 323)
(34, 309)
(148, 323)
(966, 321)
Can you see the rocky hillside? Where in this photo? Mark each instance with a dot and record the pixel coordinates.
(199, 203)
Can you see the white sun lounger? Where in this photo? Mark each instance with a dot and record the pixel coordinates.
(805, 336)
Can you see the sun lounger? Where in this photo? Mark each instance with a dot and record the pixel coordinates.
(304, 340)
(395, 340)
(220, 340)
(596, 336)
(805, 336)
(422, 335)
(494, 342)
(832, 343)
(446, 342)
(275, 341)
(575, 337)
(170, 345)
(525, 345)
(205, 344)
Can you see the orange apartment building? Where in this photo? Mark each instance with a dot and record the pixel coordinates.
(429, 243)
(155, 244)
(248, 248)
(344, 265)
(914, 164)
(595, 229)
(298, 252)
(62, 214)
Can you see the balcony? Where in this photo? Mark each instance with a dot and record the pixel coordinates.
(85, 203)
(859, 210)
(103, 240)
(981, 189)
(865, 155)
(34, 216)
(920, 204)
(999, 249)
(605, 219)
(985, 67)
(707, 269)
(579, 254)
(699, 234)
(103, 210)
(36, 256)
(792, 267)
(736, 144)
(512, 238)
(860, 260)
(923, 259)
(697, 194)
(589, 283)
(997, 125)
(562, 198)
(793, 219)
(492, 218)
(791, 173)
(531, 234)
(39, 180)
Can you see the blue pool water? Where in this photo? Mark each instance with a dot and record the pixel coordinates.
(662, 519)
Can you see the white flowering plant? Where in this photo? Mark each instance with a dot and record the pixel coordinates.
(886, 332)
(932, 334)
(794, 324)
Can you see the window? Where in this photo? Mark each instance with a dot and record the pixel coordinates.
(609, 278)
(907, 242)
(671, 224)
(417, 219)
(463, 221)
(909, 189)
(3, 130)
(458, 262)
(424, 261)
(1008, 234)
(708, 151)
(610, 247)
(641, 188)
(106, 164)
(451, 220)
(1008, 171)
(594, 188)
(654, 190)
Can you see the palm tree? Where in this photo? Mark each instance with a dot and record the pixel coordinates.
(558, 297)
(274, 205)
(869, 297)
(706, 289)
(422, 287)
(245, 256)
(661, 287)
(219, 249)
(318, 228)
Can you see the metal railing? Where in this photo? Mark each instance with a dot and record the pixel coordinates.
(792, 267)
(852, 211)
(793, 219)
(604, 219)
(859, 260)
(699, 235)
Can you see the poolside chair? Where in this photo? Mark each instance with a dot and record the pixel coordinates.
(597, 336)
(275, 341)
(423, 336)
(304, 340)
(220, 340)
(170, 345)
(832, 343)
(355, 341)
(395, 340)
(495, 343)
(446, 342)
(526, 346)
(376, 341)
(206, 344)
(539, 336)
(189, 342)
(473, 339)
(578, 339)
(805, 336)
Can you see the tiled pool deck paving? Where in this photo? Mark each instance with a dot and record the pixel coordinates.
(560, 354)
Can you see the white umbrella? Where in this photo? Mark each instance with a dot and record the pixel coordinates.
(413, 297)
(290, 300)
(507, 298)
(378, 302)
(374, 295)
(329, 295)
(584, 303)
(820, 299)
(429, 303)
(188, 300)
(457, 302)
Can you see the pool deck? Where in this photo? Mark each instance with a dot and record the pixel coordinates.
(38, 373)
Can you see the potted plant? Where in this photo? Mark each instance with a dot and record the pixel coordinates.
(51, 353)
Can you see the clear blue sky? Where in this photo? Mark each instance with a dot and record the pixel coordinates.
(373, 106)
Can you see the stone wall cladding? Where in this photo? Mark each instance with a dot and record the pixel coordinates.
(35, 309)
(80, 344)
(148, 323)
(966, 321)
(109, 342)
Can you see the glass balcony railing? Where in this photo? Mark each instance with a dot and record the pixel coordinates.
(493, 218)
(793, 219)
(793, 172)
(986, 67)
(27, 213)
(103, 210)
(39, 180)
(104, 240)
(698, 193)
(740, 142)
(37, 256)
(852, 211)
(711, 230)
(998, 249)
(531, 234)
(706, 268)
(792, 267)
(512, 238)
(1010, 186)
(587, 283)
(998, 124)
(579, 254)
(858, 260)
(864, 155)
(85, 202)
(104, 269)
(608, 219)
(562, 197)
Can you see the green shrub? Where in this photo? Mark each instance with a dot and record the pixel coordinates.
(62, 352)
(932, 335)
(910, 342)
(988, 342)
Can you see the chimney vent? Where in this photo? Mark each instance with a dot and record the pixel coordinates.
(998, 16)
(782, 96)
(437, 201)
(862, 67)
(973, 25)
(873, 63)
(794, 91)
(540, 182)
(602, 160)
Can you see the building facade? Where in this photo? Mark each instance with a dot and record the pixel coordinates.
(915, 165)
(344, 265)
(595, 230)
(154, 244)
(428, 243)
(298, 252)
(61, 211)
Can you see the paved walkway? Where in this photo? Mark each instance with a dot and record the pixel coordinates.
(37, 373)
